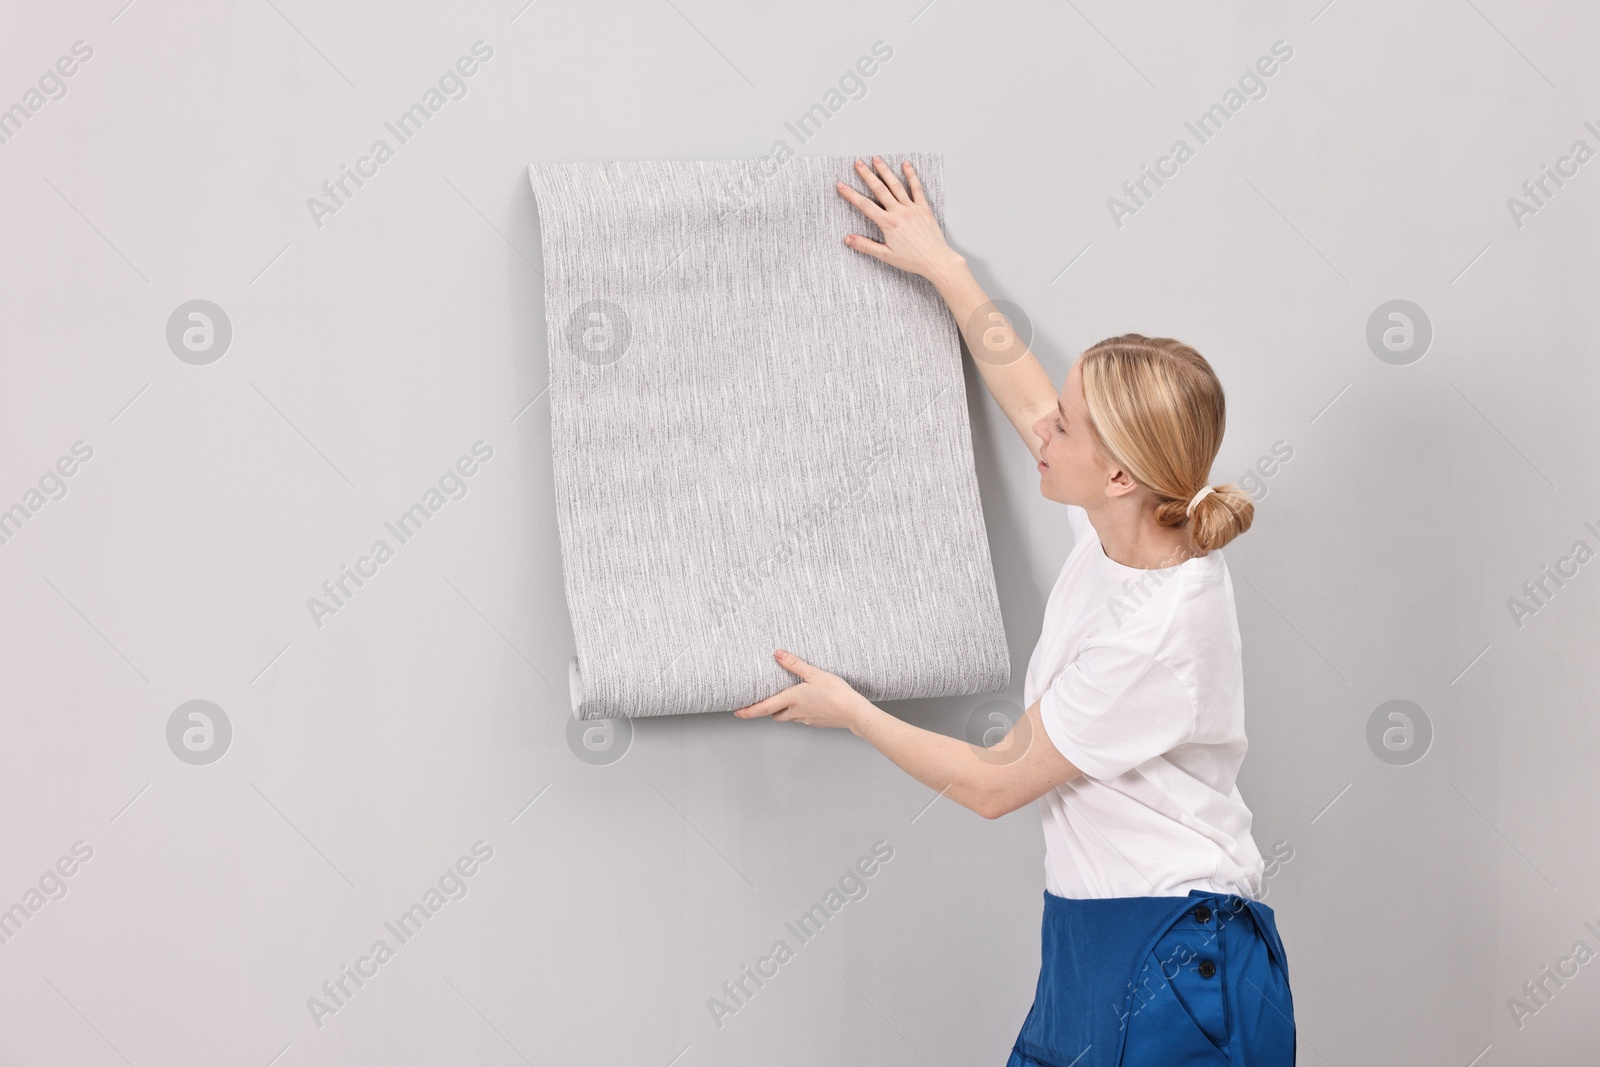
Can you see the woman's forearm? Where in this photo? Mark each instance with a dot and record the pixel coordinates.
(941, 763)
(1015, 378)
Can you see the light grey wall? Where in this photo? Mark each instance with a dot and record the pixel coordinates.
(369, 352)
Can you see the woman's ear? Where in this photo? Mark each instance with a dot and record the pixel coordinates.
(1120, 484)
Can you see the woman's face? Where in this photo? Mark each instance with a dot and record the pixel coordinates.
(1071, 468)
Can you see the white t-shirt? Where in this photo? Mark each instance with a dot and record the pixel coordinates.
(1142, 688)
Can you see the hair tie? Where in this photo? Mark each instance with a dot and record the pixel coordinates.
(1197, 498)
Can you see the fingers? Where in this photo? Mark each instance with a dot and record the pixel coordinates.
(913, 181)
(890, 180)
(867, 207)
(875, 183)
(909, 239)
(866, 245)
(782, 711)
(794, 664)
(770, 706)
(783, 701)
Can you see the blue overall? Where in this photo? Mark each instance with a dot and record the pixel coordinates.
(1196, 981)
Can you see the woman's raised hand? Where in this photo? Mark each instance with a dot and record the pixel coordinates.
(912, 240)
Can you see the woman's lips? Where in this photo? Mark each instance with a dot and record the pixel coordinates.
(1043, 465)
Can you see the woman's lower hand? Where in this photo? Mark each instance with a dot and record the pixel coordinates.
(912, 240)
(820, 699)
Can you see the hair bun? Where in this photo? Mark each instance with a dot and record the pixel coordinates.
(1205, 491)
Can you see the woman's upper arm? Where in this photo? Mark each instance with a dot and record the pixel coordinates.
(1023, 390)
(1030, 765)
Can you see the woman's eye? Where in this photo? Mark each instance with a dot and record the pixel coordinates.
(1061, 427)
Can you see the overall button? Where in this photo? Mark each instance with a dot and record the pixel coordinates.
(1207, 968)
(1202, 914)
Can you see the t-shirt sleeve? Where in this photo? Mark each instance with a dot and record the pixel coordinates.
(1113, 708)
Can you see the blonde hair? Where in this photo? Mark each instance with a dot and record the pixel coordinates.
(1157, 410)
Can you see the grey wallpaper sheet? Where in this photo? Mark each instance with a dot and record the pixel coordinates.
(760, 440)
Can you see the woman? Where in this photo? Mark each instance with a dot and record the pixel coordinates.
(1155, 948)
